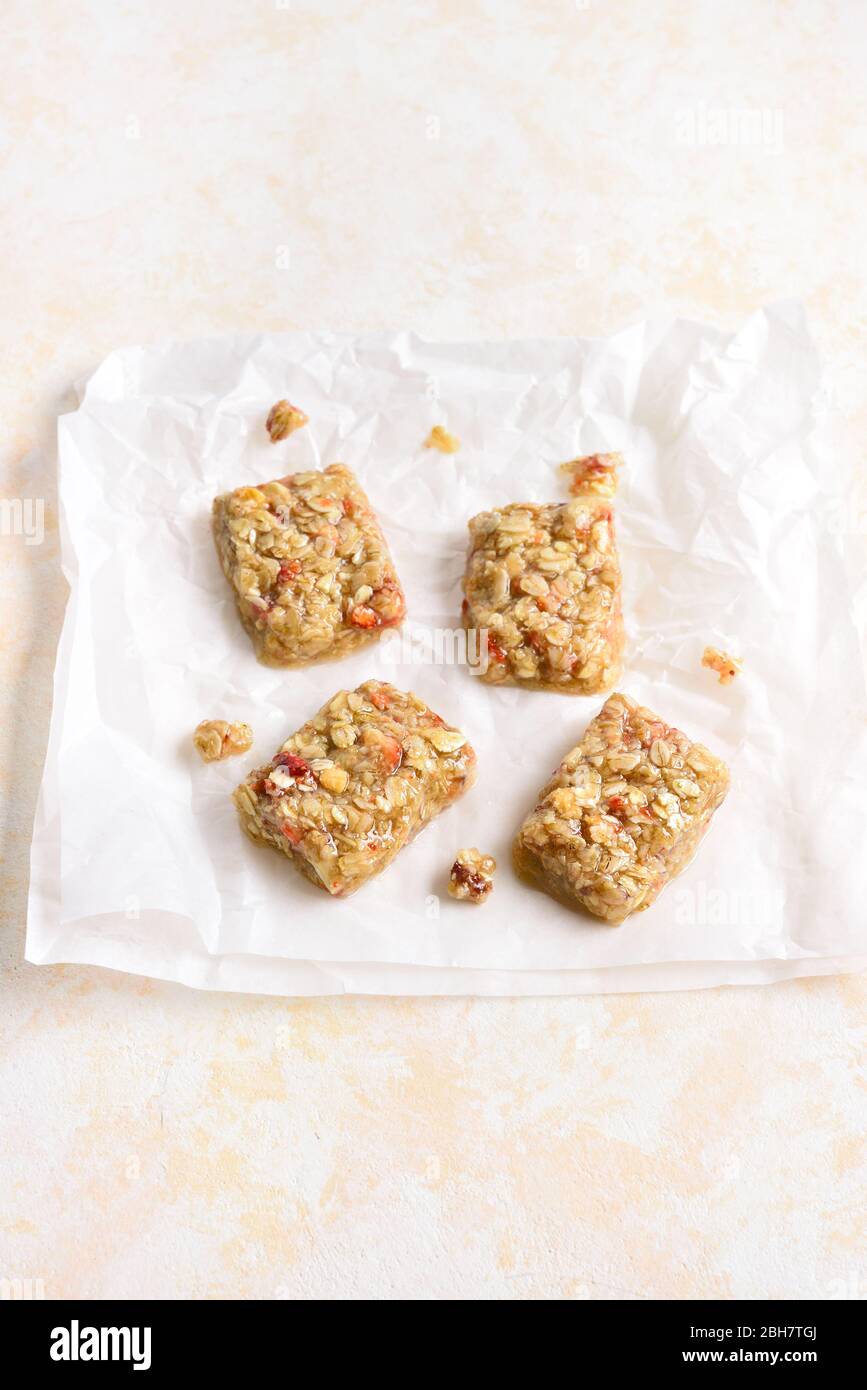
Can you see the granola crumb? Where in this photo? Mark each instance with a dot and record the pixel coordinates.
(439, 438)
(726, 667)
(472, 876)
(216, 739)
(593, 475)
(284, 419)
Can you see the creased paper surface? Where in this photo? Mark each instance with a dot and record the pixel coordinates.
(728, 525)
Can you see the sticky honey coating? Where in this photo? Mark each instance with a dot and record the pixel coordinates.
(355, 784)
(623, 814)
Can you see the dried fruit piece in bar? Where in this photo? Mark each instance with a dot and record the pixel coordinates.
(439, 438)
(726, 667)
(622, 815)
(543, 581)
(216, 739)
(308, 565)
(284, 419)
(472, 876)
(355, 784)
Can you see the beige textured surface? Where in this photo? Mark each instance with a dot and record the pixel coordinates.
(478, 168)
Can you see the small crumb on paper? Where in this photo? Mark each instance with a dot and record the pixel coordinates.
(284, 419)
(593, 475)
(439, 438)
(216, 739)
(726, 667)
(472, 876)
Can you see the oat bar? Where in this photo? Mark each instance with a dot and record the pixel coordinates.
(308, 565)
(544, 583)
(355, 784)
(623, 813)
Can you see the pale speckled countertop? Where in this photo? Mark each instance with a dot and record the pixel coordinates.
(482, 168)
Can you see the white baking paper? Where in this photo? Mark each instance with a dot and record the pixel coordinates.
(730, 534)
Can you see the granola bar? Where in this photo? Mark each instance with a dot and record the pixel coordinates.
(216, 739)
(623, 813)
(355, 784)
(544, 582)
(472, 876)
(308, 565)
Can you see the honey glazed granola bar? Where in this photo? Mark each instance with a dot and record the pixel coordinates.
(308, 565)
(623, 814)
(355, 784)
(543, 581)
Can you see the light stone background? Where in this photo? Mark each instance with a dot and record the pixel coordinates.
(467, 167)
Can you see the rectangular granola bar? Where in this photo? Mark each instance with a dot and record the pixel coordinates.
(544, 581)
(354, 785)
(308, 565)
(623, 813)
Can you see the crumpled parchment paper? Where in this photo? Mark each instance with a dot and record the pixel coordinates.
(729, 524)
